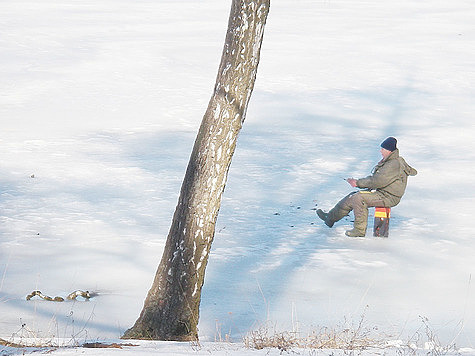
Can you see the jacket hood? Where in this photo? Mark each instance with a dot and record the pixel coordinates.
(406, 168)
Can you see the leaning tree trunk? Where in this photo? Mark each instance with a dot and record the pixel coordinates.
(171, 308)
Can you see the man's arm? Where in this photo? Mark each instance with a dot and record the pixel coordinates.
(383, 176)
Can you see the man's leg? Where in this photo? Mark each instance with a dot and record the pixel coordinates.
(360, 202)
(341, 209)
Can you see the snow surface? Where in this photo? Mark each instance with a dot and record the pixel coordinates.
(100, 102)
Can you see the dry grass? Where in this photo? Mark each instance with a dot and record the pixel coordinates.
(10, 344)
(345, 337)
(349, 338)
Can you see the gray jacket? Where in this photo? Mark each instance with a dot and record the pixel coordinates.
(389, 177)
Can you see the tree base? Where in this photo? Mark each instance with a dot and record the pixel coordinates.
(139, 333)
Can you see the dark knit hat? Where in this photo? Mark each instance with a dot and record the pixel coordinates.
(389, 144)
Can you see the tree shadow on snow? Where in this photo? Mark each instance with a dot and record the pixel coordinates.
(284, 167)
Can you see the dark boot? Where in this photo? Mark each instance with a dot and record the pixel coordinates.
(325, 217)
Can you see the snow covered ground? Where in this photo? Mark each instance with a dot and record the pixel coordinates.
(100, 102)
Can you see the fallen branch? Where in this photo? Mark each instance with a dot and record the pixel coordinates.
(72, 296)
(100, 345)
(45, 297)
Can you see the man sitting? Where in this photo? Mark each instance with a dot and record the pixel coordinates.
(384, 187)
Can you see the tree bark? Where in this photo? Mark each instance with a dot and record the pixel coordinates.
(171, 309)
